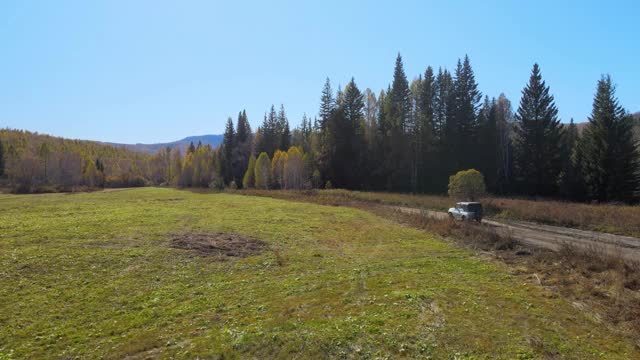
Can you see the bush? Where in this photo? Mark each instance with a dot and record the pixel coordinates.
(233, 186)
(113, 181)
(328, 185)
(467, 185)
(217, 184)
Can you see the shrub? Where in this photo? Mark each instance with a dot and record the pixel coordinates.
(467, 185)
(217, 184)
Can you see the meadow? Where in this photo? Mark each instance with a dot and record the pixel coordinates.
(99, 275)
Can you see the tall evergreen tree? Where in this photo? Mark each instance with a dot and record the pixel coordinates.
(191, 149)
(538, 143)
(467, 103)
(504, 124)
(571, 181)
(353, 136)
(426, 132)
(488, 144)
(269, 139)
(228, 145)
(284, 132)
(327, 104)
(610, 154)
(398, 119)
(444, 129)
(243, 132)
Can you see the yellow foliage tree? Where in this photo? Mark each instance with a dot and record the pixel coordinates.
(467, 185)
(293, 169)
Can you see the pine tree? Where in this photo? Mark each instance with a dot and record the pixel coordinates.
(325, 131)
(444, 129)
(243, 132)
(327, 104)
(228, 146)
(610, 154)
(504, 124)
(487, 142)
(243, 147)
(467, 103)
(539, 135)
(191, 149)
(353, 149)
(399, 121)
(270, 134)
(425, 105)
(284, 132)
(571, 181)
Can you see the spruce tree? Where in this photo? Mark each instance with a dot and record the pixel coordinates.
(445, 129)
(426, 131)
(243, 132)
(228, 146)
(399, 120)
(572, 182)
(539, 135)
(504, 124)
(191, 149)
(467, 103)
(327, 104)
(610, 154)
(353, 147)
(487, 142)
(284, 132)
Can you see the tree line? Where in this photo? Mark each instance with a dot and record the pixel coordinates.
(409, 137)
(414, 135)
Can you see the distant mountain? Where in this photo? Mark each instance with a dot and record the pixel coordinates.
(213, 140)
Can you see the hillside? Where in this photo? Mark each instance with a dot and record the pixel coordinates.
(213, 140)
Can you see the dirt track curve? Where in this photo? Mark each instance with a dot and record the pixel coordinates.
(554, 237)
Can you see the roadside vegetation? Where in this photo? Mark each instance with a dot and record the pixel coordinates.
(115, 275)
(603, 286)
(611, 218)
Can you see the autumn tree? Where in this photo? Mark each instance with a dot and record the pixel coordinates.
(249, 179)
(262, 171)
(293, 169)
(467, 185)
(277, 169)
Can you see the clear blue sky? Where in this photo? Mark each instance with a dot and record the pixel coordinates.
(152, 71)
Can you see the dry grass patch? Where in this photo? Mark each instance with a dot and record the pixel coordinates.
(220, 245)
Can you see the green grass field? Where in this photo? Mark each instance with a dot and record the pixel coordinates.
(94, 276)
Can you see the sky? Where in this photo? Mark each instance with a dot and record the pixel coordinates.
(154, 71)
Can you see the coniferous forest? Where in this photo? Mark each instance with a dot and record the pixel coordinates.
(410, 137)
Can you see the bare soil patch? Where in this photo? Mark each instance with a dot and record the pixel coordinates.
(223, 246)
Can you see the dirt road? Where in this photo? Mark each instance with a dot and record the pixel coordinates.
(554, 237)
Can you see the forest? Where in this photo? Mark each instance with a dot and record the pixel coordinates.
(409, 137)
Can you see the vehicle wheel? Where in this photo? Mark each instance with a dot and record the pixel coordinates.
(451, 216)
(464, 218)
